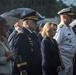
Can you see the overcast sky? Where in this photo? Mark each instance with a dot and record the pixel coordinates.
(69, 2)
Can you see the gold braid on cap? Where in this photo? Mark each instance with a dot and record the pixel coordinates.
(68, 13)
(31, 17)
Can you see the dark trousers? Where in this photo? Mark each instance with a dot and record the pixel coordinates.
(51, 73)
(15, 70)
(74, 65)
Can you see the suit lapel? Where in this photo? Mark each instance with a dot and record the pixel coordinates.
(6, 42)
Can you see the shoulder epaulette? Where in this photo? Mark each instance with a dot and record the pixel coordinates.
(60, 25)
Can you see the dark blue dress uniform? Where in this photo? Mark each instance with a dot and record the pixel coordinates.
(27, 51)
(11, 39)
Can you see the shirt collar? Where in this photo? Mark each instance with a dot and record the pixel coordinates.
(29, 30)
(65, 25)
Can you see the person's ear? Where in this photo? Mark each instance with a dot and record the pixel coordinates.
(27, 22)
(64, 16)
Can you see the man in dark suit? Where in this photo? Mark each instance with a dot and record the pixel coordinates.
(11, 39)
(40, 31)
(27, 47)
(17, 28)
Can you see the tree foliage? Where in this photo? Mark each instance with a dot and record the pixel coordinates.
(48, 8)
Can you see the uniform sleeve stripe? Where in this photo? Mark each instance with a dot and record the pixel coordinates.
(21, 64)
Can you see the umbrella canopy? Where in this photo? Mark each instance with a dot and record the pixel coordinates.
(20, 12)
(14, 15)
(43, 21)
(40, 17)
(48, 20)
(10, 20)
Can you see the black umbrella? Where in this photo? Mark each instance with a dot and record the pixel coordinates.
(19, 12)
(10, 20)
(15, 14)
(48, 20)
(40, 17)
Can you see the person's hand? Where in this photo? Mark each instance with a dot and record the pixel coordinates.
(62, 66)
(9, 55)
(59, 69)
(18, 25)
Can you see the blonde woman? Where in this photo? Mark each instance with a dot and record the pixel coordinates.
(51, 64)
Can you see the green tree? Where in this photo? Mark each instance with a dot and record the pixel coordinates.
(48, 8)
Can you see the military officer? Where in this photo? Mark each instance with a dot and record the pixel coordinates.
(27, 47)
(17, 28)
(66, 40)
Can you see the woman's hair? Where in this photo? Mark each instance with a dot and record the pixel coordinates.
(47, 27)
(3, 23)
